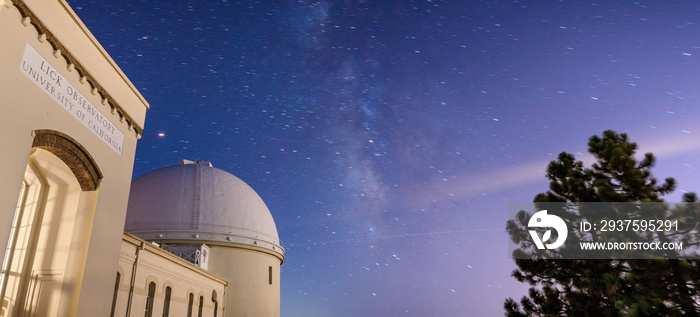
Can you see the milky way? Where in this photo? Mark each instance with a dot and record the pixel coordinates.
(387, 137)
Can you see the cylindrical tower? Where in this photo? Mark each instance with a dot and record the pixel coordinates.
(191, 204)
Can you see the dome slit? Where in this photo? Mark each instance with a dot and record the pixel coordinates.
(197, 196)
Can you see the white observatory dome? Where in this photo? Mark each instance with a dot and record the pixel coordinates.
(193, 202)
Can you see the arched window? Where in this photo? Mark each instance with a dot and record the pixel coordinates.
(216, 302)
(50, 227)
(151, 298)
(189, 305)
(116, 291)
(166, 302)
(201, 305)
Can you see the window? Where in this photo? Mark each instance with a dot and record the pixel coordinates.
(166, 302)
(201, 305)
(269, 275)
(47, 233)
(189, 305)
(150, 299)
(216, 302)
(116, 291)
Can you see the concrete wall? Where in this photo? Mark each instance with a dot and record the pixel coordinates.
(250, 293)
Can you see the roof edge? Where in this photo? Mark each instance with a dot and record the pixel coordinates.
(208, 238)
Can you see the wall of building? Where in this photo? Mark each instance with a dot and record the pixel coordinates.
(57, 78)
(251, 293)
(141, 263)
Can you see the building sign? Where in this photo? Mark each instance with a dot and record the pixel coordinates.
(49, 80)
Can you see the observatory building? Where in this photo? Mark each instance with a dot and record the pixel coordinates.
(216, 221)
(198, 241)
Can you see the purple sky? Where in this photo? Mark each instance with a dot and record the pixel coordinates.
(387, 137)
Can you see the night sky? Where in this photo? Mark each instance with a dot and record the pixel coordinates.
(387, 137)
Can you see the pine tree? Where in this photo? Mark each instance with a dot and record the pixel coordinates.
(664, 287)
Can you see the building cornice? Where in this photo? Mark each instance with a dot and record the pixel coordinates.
(44, 35)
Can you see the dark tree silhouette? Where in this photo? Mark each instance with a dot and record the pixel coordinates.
(665, 287)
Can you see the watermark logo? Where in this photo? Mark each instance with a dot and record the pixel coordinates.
(542, 220)
(603, 230)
